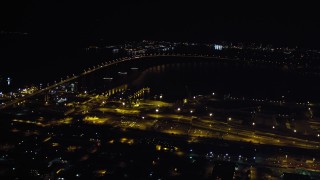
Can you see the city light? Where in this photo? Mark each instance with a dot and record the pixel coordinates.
(8, 81)
(202, 122)
(218, 47)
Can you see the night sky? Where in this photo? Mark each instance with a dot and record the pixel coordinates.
(285, 24)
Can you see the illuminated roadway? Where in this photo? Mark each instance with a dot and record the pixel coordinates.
(236, 132)
(184, 124)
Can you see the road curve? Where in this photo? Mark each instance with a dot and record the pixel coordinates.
(106, 64)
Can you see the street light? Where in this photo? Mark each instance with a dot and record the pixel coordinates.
(210, 114)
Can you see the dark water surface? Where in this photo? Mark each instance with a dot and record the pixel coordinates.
(178, 77)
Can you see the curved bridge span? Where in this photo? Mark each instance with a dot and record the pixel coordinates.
(99, 67)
